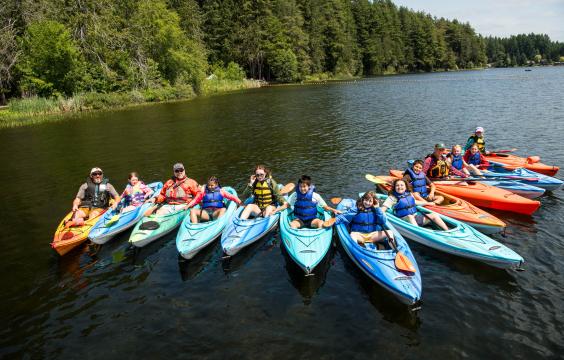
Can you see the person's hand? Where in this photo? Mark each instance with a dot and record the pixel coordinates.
(337, 212)
(151, 200)
(252, 180)
(75, 208)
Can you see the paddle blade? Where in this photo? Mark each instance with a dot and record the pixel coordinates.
(403, 263)
(150, 211)
(289, 187)
(112, 220)
(375, 179)
(329, 223)
(335, 200)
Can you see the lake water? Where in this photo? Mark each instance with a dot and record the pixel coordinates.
(148, 304)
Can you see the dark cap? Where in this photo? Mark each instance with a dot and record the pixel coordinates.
(440, 146)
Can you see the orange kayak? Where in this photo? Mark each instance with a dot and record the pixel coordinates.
(458, 209)
(484, 195)
(67, 239)
(532, 163)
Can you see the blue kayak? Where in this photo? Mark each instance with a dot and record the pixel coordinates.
(192, 238)
(379, 265)
(461, 240)
(240, 233)
(108, 227)
(525, 176)
(307, 247)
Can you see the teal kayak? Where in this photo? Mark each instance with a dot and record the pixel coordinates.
(106, 228)
(154, 226)
(192, 238)
(461, 240)
(307, 247)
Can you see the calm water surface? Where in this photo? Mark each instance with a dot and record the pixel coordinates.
(148, 304)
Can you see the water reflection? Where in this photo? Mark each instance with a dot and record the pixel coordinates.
(233, 263)
(208, 256)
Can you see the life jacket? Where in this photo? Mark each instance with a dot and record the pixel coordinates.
(212, 199)
(263, 193)
(178, 192)
(474, 159)
(304, 208)
(133, 195)
(367, 221)
(438, 168)
(457, 161)
(480, 142)
(405, 205)
(418, 182)
(96, 195)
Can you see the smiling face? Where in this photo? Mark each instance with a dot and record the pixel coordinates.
(456, 150)
(474, 149)
(180, 173)
(400, 187)
(304, 188)
(96, 177)
(417, 168)
(212, 185)
(134, 180)
(367, 202)
(260, 174)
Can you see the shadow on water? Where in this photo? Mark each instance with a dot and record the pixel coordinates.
(209, 255)
(307, 286)
(235, 262)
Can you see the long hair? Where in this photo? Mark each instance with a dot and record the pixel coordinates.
(367, 195)
(391, 192)
(265, 169)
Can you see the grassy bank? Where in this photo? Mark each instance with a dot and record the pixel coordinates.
(36, 110)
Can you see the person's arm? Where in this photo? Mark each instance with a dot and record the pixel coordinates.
(431, 186)
(469, 143)
(162, 195)
(427, 164)
(229, 196)
(196, 192)
(407, 179)
(322, 204)
(286, 204)
(279, 198)
(457, 172)
(79, 196)
(389, 203)
(484, 164)
(147, 190)
(113, 193)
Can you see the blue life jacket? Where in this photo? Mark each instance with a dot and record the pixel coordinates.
(474, 159)
(368, 221)
(418, 182)
(405, 205)
(457, 162)
(304, 208)
(212, 199)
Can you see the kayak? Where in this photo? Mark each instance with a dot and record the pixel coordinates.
(107, 227)
(66, 239)
(155, 226)
(379, 265)
(461, 240)
(458, 209)
(484, 195)
(525, 176)
(512, 162)
(192, 237)
(306, 246)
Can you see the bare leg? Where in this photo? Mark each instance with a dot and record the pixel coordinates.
(437, 220)
(218, 213)
(438, 199)
(296, 224)
(410, 219)
(194, 215)
(251, 209)
(269, 210)
(204, 216)
(316, 223)
(475, 170)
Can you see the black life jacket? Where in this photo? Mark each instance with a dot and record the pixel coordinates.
(96, 195)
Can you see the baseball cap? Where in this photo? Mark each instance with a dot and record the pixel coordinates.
(479, 129)
(95, 169)
(440, 146)
(177, 166)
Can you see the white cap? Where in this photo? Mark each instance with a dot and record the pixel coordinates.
(479, 129)
(94, 169)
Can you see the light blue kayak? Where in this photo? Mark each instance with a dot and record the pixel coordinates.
(192, 238)
(461, 240)
(156, 225)
(105, 229)
(307, 247)
(379, 265)
(524, 176)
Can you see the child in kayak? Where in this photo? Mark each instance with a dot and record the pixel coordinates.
(457, 161)
(404, 205)
(478, 139)
(417, 183)
(135, 193)
(305, 202)
(179, 191)
(474, 157)
(213, 206)
(436, 165)
(266, 195)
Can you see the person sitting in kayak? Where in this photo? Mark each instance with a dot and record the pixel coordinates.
(404, 206)
(417, 183)
(436, 165)
(475, 158)
(478, 139)
(457, 161)
(213, 206)
(135, 193)
(305, 202)
(266, 195)
(179, 191)
(92, 198)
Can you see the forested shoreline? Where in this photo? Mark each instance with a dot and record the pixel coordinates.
(87, 54)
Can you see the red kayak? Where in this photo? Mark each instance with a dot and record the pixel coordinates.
(484, 195)
(513, 162)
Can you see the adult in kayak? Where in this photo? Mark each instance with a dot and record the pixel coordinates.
(92, 198)
(404, 206)
(417, 183)
(178, 191)
(212, 204)
(458, 162)
(266, 196)
(478, 139)
(475, 158)
(436, 165)
(305, 202)
(135, 193)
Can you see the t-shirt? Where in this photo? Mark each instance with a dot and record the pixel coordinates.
(390, 202)
(82, 190)
(315, 197)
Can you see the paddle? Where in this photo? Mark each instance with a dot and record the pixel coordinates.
(289, 187)
(503, 151)
(490, 178)
(152, 209)
(375, 179)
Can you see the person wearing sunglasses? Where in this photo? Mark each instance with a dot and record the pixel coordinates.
(266, 196)
(92, 198)
(178, 190)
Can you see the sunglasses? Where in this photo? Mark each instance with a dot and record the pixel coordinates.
(257, 174)
(178, 170)
(97, 173)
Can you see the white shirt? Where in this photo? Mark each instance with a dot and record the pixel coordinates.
(316, 198)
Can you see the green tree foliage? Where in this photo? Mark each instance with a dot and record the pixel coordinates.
(519, 50)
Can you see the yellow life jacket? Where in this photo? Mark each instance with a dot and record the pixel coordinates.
(263, 193)
(480, 142)
(439, 168)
